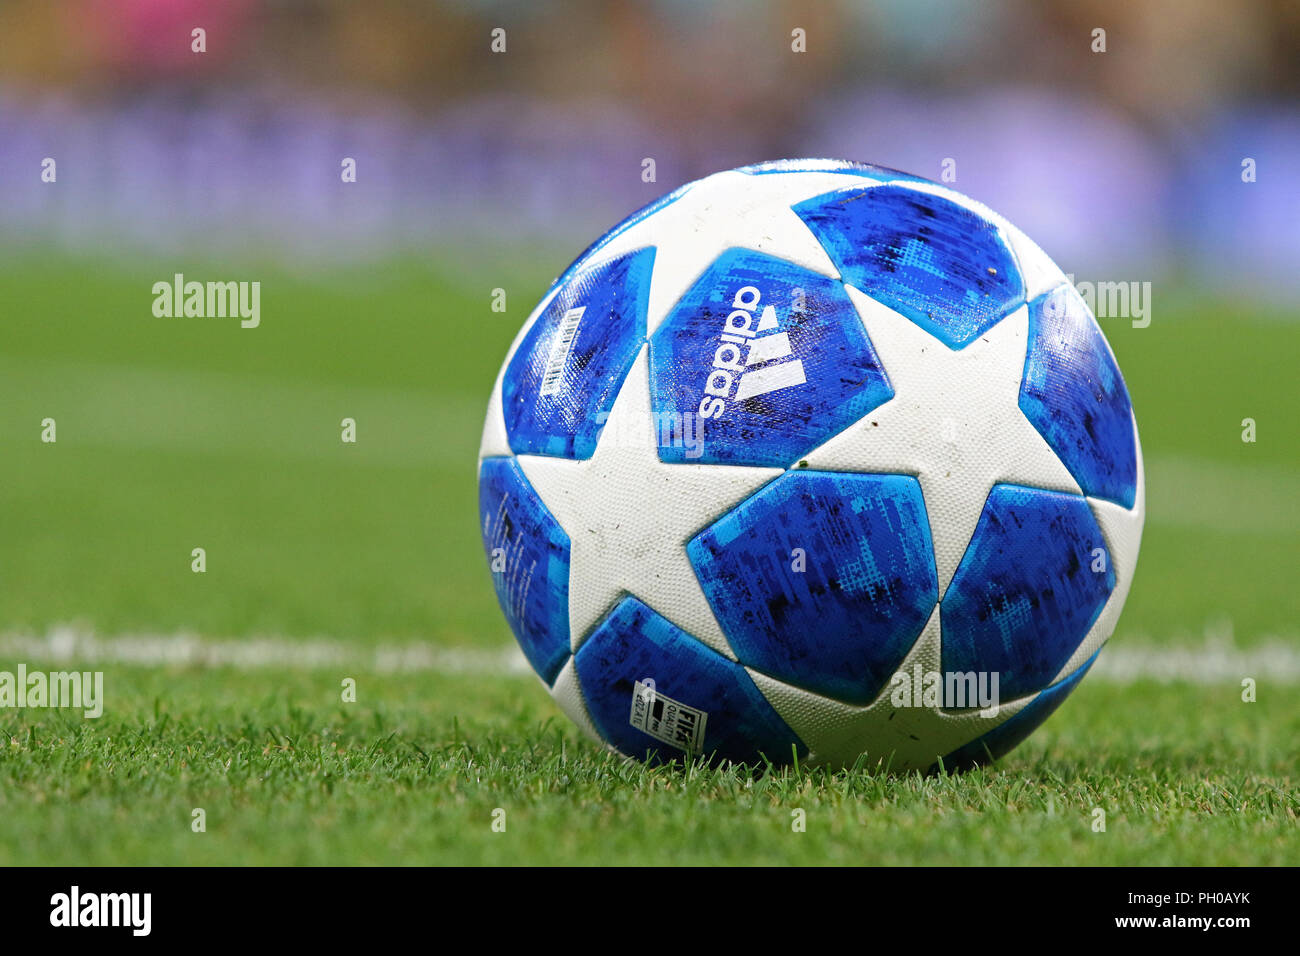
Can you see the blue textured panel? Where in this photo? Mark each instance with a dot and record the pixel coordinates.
(941, 265)
(562, 381)
(532, 582)
(634, 644)
(865, 170)
(843, 624)
(1073, 393)
(767, 359)
(1025, 593)
(1005, 737)
(645, 212)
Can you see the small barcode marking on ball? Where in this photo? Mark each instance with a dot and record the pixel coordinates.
(560, 350)
(666, 719)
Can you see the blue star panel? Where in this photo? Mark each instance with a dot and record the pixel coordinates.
(761, 361)
(636, 644)
(645, 212)
(1026, 592)
(1006, 736)
(530, 566)
(941, 265)
(563, 379)
(822, 580)
(1073, 394)
(865, 170)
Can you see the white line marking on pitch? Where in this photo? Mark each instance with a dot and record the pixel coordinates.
(1214, 659)
(66, 645)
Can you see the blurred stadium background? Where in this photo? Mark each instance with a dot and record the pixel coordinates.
(1127, 160)
(478, 171)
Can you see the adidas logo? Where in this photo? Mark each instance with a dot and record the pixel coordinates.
(752, 357)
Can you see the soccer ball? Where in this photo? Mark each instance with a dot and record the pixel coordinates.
(811, 460)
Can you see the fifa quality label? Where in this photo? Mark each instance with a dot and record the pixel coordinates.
(666, 719)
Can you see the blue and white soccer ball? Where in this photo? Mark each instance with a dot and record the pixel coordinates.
(811, 458)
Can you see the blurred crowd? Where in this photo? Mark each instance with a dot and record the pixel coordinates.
(1119, 150)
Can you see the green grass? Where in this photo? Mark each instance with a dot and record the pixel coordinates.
(183, 433)
(413, 771)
